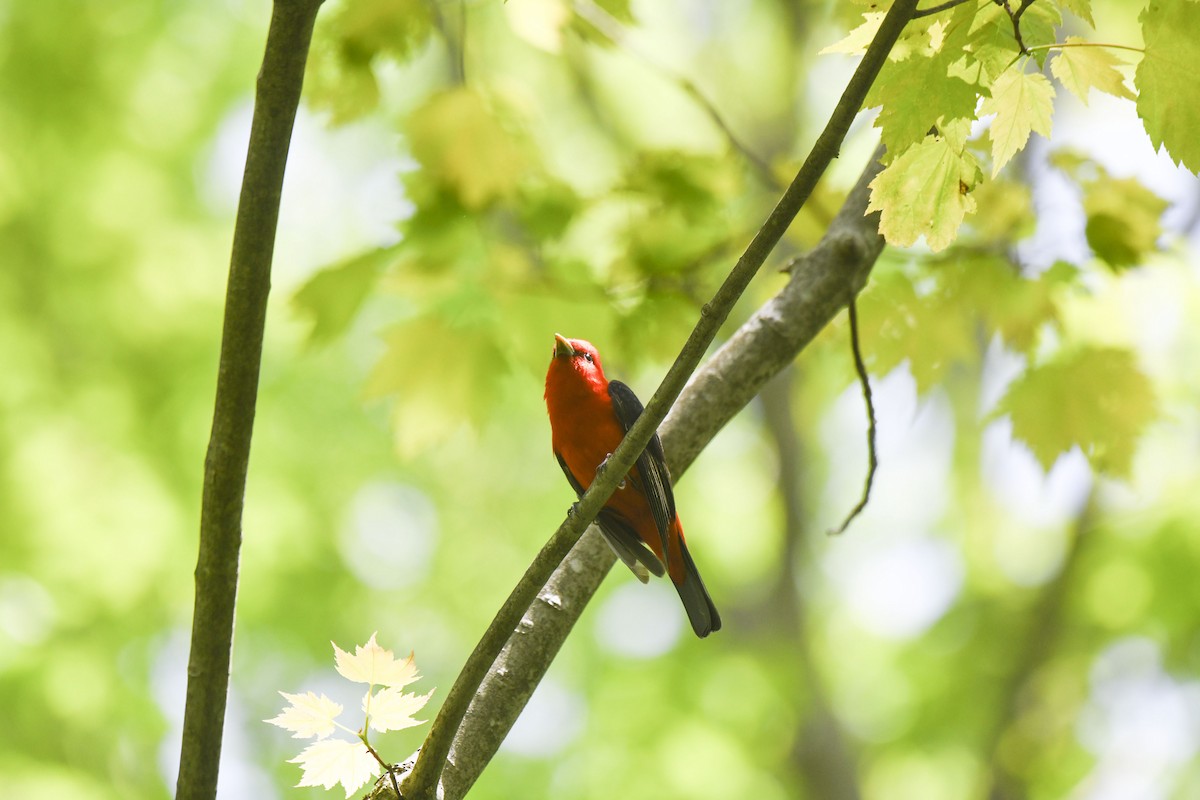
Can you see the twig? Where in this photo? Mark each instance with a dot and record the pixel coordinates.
(422, 781)
(872, 455)
(1015, 16)
(939, 8)
(225, 466)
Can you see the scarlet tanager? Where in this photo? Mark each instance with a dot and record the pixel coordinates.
(589, 416)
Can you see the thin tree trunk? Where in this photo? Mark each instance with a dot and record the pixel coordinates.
(276, 100)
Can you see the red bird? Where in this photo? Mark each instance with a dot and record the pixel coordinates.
(589, 416)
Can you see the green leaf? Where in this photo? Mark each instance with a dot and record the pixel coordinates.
(1166, 79)
(1122, 220)
(1081, 9)
(914, 95)
(443, 368)
(1039, 27)
(1096, 399)
(988, 47)
(927, 329)
(1080, 69)
(1022, 103)
(919, 90)
(460, 141)
(1005, 211)
(989, 288)
(925, 192)
(348, 45)
(331, 298)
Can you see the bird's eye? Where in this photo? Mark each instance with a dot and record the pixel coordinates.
(588, 356)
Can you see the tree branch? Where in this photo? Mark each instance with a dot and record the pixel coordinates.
(816, 292)
(225, 466)
(424, 778)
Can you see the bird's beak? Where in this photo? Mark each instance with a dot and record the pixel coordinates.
(562, 348)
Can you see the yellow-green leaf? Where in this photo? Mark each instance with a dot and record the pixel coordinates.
(1022, 103)
(332, 297)
(1122, 220)
(1093, 398)
(1082, 68)
(1081, 9)
(925, 191)
(1166, 79)
(857, 40)
(460, 140)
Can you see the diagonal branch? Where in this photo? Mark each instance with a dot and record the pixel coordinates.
(225, 466)
(819, 287)
(422, 782)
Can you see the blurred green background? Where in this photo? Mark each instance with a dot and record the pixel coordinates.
(465, 181)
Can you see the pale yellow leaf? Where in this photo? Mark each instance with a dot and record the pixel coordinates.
(374, 665)
(1023, 103)
(1081, 69)
(937, 35)
(333, 761)
(857, 40)
(307, 715)
(391, 710)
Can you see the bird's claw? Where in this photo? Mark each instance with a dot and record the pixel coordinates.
(573, 510)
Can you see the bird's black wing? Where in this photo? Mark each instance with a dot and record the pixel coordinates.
(651, 464)
(620, 536)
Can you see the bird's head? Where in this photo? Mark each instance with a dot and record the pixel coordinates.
(578, 354)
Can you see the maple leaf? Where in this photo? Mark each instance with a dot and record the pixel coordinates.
(1080, 69)
(925, 191)
(1123, 220)
(857, 40)
(1022, 103)
(374, 665)
(332, 761)
(307, 715)
(1094, 398)
(1168, 92)
(1081, 9)
(392, 710)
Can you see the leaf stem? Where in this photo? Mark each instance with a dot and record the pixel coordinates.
(387, 768)
(1064, 45)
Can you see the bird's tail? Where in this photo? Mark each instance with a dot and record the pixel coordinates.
(699, 606)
